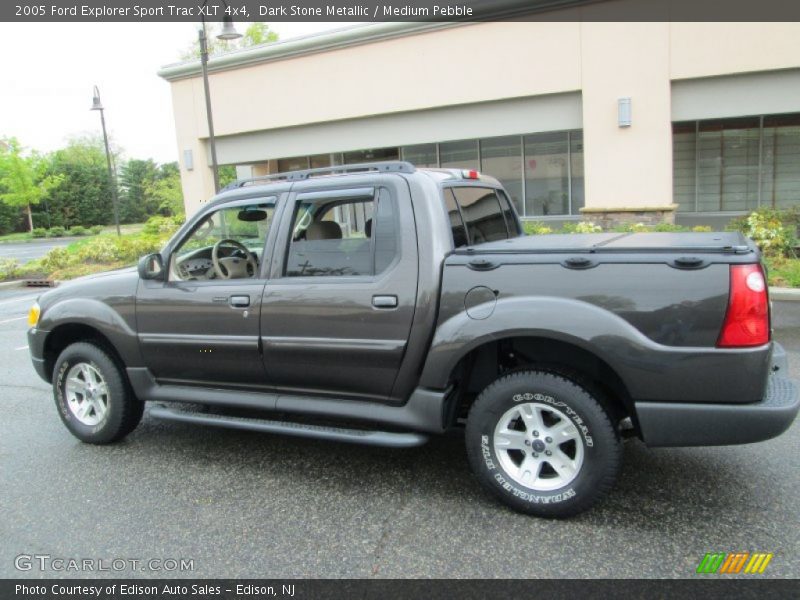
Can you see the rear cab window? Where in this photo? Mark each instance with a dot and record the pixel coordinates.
(479, 214)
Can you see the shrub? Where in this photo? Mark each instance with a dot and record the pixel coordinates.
(9, 268)
(669, 227)
(96, 229)
(588, 227)
(162, 225)
(39, 232)
(536, 228)
(55, 259)
(56, 231)
(77, 230)
(701, 229)
(772, 230)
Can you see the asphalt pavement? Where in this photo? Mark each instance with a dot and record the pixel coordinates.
(27, 251)
(241, 504)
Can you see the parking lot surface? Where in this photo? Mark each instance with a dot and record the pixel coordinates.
(27, 251)
(241, 504)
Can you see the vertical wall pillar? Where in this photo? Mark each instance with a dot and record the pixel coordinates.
(627, 166)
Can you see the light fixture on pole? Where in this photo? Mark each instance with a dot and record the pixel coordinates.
(97, 105)
(228, 33)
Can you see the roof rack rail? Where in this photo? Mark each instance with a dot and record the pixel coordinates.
(393, 166)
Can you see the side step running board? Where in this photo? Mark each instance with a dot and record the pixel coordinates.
(320, 432)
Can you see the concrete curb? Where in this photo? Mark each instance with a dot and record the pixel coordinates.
(784, 294)
(10, 284)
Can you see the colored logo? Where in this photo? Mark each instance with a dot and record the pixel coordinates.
(734, 563)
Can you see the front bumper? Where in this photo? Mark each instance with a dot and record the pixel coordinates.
(677, 424)
(36, 338)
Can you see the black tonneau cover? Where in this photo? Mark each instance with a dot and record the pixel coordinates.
(727, 242)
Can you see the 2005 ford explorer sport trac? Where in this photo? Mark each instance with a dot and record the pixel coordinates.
(380, 304)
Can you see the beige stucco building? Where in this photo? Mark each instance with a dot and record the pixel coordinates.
(713, 129)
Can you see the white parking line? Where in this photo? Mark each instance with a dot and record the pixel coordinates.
(12, 320)
(21, 348)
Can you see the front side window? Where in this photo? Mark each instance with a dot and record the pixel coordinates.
(226, 244)
(352, 236)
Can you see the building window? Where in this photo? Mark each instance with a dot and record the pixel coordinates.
(543, 172)
(736, 164)
(780, 170)
(421, 155)
(297, 163)
(547, 174)
(459, 155)
(371, 155)
(501, 157)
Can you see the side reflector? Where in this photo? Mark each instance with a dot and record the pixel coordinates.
(747, 320)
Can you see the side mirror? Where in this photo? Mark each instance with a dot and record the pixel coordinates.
(151, 267)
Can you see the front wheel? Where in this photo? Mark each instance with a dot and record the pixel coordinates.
(542, 444)
(92, 395)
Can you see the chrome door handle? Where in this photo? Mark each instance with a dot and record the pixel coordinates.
(239, 301)
(384, 301)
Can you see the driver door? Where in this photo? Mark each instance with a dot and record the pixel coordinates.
(198, 327)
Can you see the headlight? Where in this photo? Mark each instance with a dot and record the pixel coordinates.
(33, 315)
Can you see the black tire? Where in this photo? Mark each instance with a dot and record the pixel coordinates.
(557, 396)
(123, 410)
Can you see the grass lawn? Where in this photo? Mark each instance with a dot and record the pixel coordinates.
(783, 272)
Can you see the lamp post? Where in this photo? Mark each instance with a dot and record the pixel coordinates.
(97, 105)
(228, 33)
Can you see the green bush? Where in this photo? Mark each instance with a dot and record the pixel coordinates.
(56, 231)
(588, 227)
(78, 231)
(536, 228)
(669, 227)
(9, 268)
(162, 225)
(39, 232)
(774, 231)
(701, 229)
(96, 229)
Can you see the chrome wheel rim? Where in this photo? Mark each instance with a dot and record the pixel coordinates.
(538, 446)
(86, 393)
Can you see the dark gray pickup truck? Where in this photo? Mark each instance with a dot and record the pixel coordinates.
(380, 304)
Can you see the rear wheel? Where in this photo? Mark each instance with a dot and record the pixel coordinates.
(93, 398)
(542, 444)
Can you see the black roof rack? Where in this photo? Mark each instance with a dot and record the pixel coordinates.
(393, 166)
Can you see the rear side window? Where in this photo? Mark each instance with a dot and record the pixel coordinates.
(508, 213)
(344, 237)
(481, 217)
(456, 223)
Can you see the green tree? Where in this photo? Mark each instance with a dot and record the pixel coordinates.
(23, 178)
(166, 191)
(84, 196)
(137, 178)
(254, 35)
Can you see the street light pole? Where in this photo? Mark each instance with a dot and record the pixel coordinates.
(97, 105)
(228, 33)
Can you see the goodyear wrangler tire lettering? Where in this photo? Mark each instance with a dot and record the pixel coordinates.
(542, 444)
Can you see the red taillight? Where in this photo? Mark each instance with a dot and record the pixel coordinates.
(747, 320)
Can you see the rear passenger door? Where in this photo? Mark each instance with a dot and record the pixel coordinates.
(337, 313)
